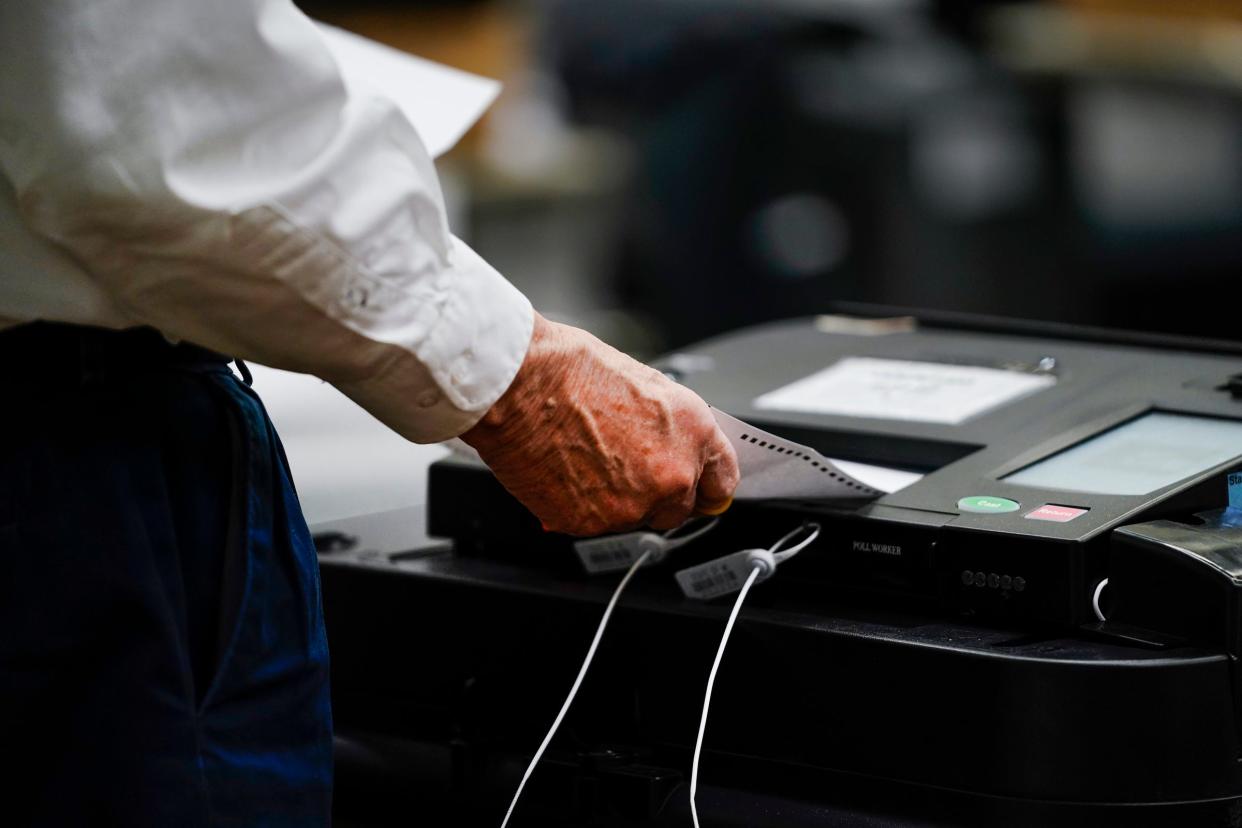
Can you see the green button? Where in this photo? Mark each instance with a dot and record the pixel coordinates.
(987, 505)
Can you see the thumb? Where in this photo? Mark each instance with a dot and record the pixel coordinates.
(719, 477)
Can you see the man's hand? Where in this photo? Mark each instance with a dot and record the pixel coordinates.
(592, 441)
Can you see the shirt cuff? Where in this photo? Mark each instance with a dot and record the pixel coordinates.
(441, 384)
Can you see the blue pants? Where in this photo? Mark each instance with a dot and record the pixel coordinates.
(162, 651)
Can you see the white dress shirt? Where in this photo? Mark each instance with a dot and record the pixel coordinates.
(200, 166)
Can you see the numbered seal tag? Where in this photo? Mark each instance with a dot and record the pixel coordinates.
(719, 577)
(615, 552)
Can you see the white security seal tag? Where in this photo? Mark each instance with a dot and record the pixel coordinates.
(724, 575)
(728, 574)
(615, 552)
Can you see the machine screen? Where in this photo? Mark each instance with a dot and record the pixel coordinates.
(1138, 457)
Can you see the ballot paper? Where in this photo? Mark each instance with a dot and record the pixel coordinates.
(775, 468)
(441, 102)
(899, 389)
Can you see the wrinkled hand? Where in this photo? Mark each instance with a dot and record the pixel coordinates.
(592, 441)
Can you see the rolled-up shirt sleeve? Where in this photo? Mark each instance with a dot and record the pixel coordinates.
(207, 165)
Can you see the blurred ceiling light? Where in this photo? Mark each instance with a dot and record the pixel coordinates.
(973, 159)
(1154, 156)
(800, 235)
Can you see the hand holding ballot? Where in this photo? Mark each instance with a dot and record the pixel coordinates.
(592, 441)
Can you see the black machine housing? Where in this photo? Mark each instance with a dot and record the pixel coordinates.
(896, 673)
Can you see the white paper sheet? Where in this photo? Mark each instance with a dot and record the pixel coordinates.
(775, 468)
(879, 477)
(895, 389)
(441, 102)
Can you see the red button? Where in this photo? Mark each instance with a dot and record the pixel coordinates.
(1056, 514)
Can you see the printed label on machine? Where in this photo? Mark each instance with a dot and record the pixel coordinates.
(896, 389)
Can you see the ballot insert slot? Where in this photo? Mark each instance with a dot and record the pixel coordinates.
(871, 548)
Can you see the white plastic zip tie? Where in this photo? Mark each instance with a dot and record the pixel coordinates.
(711, 683)
(573, 691)
(781, 554)
(1095, 599)
(762, 563)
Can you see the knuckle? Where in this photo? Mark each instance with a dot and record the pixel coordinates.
(678, 483)
(704, 424)
(682, 512)
(631, 514)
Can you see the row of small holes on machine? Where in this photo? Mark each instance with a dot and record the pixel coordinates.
(782, 450)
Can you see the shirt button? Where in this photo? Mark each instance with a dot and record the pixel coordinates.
(427, 399)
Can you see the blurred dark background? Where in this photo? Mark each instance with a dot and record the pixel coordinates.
(663, 170)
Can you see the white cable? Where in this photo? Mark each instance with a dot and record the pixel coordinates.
(786, 554)
(711, 682)
(1095, 599)
(573, 691)
(699, 526)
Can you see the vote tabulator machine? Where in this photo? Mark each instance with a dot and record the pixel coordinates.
(1023, 486)
(1044, 626)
